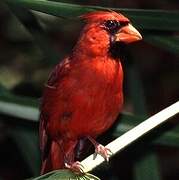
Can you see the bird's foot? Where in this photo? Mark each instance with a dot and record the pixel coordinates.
(103, 151)
(100, 149)
(76, 167)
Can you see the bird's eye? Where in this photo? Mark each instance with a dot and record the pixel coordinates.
(112, 25)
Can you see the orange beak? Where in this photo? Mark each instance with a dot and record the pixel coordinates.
(128, 34)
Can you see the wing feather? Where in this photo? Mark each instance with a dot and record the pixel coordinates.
(48, 99)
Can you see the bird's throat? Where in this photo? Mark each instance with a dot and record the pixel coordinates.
(116, 50)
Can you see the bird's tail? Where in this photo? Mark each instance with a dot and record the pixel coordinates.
(54, 158)
(58, 154)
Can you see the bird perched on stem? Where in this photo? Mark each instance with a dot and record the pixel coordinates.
(84, 94)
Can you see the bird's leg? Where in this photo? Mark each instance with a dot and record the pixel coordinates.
(69, 162)
(100, 149)
(80, 148)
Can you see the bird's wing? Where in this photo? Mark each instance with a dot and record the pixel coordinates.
(49, 97)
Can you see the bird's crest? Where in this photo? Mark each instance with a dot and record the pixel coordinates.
(103, 15)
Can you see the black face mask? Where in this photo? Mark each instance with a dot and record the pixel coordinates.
(117, 50)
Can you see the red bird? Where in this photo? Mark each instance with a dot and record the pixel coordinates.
(84, 93)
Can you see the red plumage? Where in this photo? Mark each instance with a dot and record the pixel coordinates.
(83, 95)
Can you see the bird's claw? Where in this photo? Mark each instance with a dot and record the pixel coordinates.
(76, 167)
(103, 151)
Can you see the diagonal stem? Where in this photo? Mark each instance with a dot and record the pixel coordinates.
(132, 135)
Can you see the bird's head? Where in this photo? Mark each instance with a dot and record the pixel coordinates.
(104, 29)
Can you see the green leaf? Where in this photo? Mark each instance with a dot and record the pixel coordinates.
(19, 107)
(40, 37)
(66, 175)
(147, 167)
(169, 43)
(26, 139)
(136, 93)
(145, 19)
(18, 110)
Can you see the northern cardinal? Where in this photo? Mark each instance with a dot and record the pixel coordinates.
(84, 93)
